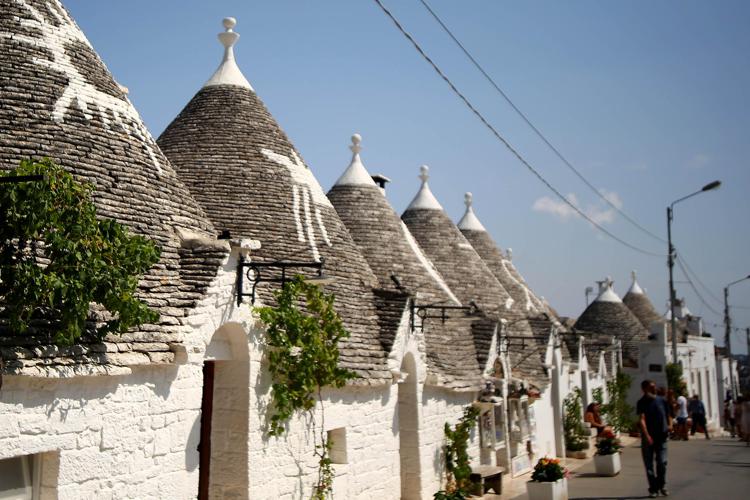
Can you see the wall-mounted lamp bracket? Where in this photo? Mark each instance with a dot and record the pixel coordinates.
(423, 312)
(276, 272)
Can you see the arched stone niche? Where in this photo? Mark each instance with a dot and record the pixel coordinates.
(225, 415)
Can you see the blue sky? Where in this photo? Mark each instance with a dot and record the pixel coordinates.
(648, 99)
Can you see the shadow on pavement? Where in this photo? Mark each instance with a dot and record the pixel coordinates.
(608, 498)
(731, 464)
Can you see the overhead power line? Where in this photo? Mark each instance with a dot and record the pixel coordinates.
(681, 257)
(535, 129)
(700, 297)
(499, 137)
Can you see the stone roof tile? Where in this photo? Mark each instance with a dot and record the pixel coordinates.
(58, 100)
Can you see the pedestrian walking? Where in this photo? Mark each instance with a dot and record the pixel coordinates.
(698, 413)
(682, 417)
(655, 423)
(738, 417)
(729, 416)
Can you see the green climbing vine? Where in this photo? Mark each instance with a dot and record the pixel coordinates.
(573, 428)
(617, 411)
(304, 358)
(57, 257)
(457, 464)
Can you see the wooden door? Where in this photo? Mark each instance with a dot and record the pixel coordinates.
(204, 447)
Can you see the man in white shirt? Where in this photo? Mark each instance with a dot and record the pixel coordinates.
(681, 418)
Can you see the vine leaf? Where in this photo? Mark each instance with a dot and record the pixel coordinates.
(57, 257)
(303, 332)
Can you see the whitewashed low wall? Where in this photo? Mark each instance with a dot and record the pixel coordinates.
(118, 437)
(545, 425)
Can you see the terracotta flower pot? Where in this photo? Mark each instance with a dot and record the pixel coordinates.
(557, 490)
(607, 465)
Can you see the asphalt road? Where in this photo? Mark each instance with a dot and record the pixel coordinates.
(717, 469)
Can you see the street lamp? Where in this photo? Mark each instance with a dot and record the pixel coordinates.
(728, 330)
(670, 262)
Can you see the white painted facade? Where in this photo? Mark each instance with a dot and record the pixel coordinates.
(699, 369)
(722, 375)
(137, 435)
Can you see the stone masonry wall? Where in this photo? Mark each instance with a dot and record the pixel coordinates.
(133, 436)
(136, 435)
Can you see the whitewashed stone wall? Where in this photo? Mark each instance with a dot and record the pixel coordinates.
(136, 435)
(699, 370)
(133, 436)
(545, 425)
(438, 407)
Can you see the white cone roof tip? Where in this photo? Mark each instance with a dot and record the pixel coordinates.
(470, 222)
(355, 174)
(424, 199)
(228, 73)
(607, 294)
(635, 288)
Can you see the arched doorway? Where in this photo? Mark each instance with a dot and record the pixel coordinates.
(223, 445)
(408, 430)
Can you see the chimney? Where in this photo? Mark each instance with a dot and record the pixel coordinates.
(381, 180)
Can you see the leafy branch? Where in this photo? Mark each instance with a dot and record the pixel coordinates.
(457, 461)
(57, 257)
(304, 358)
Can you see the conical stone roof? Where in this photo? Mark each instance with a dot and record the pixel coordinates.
(58, 100)
(608, 315)
(241, 167)
(639, 303)
(482, 242)
(400, 265)
(463, 269)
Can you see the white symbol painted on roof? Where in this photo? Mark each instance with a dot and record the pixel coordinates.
(54, 38)
(307, 195)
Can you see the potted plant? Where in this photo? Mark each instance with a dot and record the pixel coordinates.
(607, 458)
(548, 481)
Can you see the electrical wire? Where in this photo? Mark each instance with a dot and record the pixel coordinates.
(539, 134)
(681, 257)
(499, 137)
(700, 297)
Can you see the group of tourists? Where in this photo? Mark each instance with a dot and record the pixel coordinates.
(661, 416)
(688, 415)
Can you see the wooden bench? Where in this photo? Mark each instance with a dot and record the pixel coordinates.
(485, 478)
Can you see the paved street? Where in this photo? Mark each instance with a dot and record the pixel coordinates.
(716, 469)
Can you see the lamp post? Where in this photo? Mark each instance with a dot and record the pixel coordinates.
(728, 331)
(670, 263)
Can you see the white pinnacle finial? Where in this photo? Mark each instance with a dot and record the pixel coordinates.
(470, 222)
(635, 288)
(229, 23)
(424, 199)
(424, 173)
(228, 73)
(606, 293)
(355, 174)
(509, 253)
(355, 147)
